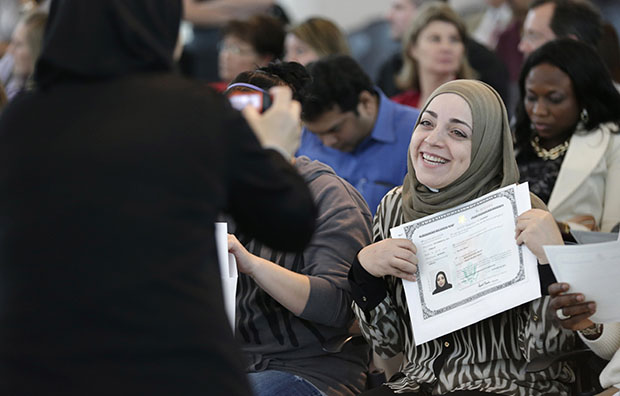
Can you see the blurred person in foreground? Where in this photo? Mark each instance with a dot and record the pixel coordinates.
(108, 278)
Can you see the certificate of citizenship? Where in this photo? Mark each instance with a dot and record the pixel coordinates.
(469, 264)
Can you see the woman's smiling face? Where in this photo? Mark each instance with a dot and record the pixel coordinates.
(440, 147)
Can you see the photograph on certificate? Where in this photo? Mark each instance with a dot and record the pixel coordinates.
(470, 266)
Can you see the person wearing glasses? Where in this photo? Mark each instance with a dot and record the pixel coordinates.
(247, 45)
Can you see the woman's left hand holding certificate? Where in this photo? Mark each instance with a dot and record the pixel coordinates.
(536, 228)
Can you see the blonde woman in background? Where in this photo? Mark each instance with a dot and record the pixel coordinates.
(433, 54)
(313, 39)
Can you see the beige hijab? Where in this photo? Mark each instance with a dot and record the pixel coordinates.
(492, 165)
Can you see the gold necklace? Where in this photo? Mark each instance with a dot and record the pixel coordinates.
(551, 154)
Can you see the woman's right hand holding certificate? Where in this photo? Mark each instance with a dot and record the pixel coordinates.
(394, 256)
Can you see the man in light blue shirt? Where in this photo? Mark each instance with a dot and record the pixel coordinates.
(353, 127)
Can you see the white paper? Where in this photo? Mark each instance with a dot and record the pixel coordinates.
(228, 270)
(474, 245)
(594, 271)
(587, 237)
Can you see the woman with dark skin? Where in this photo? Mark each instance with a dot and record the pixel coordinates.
(567, 140)
(573, 311)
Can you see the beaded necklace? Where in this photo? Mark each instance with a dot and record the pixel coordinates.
(551, 154)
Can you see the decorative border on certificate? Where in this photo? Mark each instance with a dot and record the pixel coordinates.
(409, 230)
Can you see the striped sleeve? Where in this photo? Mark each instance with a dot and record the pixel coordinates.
(382, 326)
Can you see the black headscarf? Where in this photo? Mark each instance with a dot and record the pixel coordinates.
(446, 285)
(97, 39)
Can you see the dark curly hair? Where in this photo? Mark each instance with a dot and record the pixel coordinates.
(336, 80)
(291, 74)
(592, 84)
(265, 34)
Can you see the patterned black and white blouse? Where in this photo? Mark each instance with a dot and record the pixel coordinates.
(488, 356)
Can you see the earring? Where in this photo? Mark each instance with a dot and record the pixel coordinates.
(584, 115)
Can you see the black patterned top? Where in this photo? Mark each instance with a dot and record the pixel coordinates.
(488, 356)
(541, 174)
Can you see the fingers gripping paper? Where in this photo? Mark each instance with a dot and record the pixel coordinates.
(228, 270)
(469, 264)
(594, 271)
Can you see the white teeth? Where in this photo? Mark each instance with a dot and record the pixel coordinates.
(432, 158)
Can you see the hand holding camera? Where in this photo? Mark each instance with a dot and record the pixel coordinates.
(279, 127)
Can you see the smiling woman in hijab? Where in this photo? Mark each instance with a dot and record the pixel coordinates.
(461, 149)
(113, 172)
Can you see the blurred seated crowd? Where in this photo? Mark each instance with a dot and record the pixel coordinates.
(121, 149)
